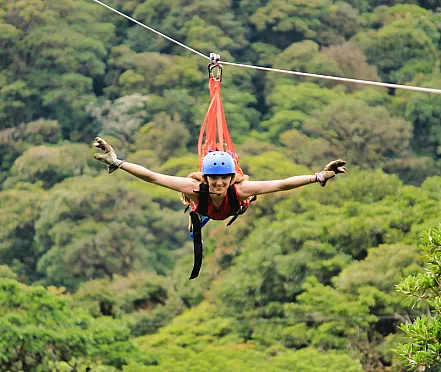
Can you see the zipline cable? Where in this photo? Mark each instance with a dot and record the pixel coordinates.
(348, 80)
(151, 29)
(328, 77)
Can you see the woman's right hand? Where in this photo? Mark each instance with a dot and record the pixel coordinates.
(109, 157)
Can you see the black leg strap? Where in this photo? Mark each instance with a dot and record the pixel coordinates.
(197, 243)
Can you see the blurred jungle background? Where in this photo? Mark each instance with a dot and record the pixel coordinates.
(94, 267)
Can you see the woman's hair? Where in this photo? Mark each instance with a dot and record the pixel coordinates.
(237, 178)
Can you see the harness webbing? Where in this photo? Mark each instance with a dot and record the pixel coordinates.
(214, 135)
(203, 199)
(214, 127)
(197, 245)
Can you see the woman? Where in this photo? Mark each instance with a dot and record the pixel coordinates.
(217, 192)
(218, 174)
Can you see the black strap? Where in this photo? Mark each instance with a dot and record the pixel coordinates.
(242, 209)
(203, 199)
(197, 245)
(233, 200)
(236, 210)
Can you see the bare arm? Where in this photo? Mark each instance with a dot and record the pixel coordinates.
(181, 184)
(246, 189)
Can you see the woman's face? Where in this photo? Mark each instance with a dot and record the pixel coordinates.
(219, 183)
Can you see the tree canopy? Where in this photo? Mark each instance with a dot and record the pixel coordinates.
(94, 266)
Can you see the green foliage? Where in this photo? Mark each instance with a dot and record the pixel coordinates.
(122, 118)
(199, 339)
(20, 210)
(56, 50)
(304, 280)
(40, 328)
(7, 273)
(382, 268)
(423, 348)
(367, 136)
(292, 105)
(14, 141)
(107, 228)
(166, 136)
(202, 24)
(145, 301)
(14, 98)
(352, 63)
(393, 47)
(271, 165)
(181, 165)
(284, 21)
(315, 360)
(339, 23)
(424, 113)
(49, 164)
(304, 56)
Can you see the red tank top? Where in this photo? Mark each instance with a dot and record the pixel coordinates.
(224, 210)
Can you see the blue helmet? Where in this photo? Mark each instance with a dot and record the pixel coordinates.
(218, 162)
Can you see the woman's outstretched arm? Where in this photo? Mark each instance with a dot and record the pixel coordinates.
(246, 189)
(180, 184)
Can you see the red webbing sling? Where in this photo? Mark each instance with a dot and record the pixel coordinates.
(214, 127)
(217, 138)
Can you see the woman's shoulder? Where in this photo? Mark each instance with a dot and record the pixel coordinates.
(194, 196)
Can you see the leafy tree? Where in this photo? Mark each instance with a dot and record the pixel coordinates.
(123, 117)
(107, 227)
(49, 164)
(339, 23)
(282, 22)
(385, 15)
(414, 170)
(146, 301)
(352, 62)
(424, 113)
(57, 50)
(312, 152)
(422, 349)
(14, 141)
(15, 99)
(271, 165)
(181, 165)
(383, 266)
(304, 56)
(166, 136)
(40, 329)
(291, 106)
(339, 320)
(367, 136)
(395, 46)
(21, 207)
(315, 360)
(198, 21)
(7, 273)
(200, 339)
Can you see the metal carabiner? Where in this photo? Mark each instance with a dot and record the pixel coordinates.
(214, 62)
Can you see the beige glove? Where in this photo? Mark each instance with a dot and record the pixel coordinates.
(331, 169)
(109, 157)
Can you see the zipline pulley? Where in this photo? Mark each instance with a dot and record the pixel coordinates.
(214, 62)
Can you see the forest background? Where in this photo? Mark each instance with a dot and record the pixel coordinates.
(94, 267)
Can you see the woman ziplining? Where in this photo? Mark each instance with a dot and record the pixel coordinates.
(220, 189)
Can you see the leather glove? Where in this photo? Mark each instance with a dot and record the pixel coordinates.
(109, 157)
(331, 169)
